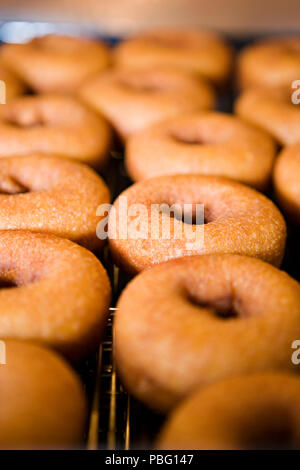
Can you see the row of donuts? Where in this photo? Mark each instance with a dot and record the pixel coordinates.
(262, 236)
(207, 143)
(54, 293)
(56, 63)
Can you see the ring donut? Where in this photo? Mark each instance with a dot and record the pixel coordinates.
(133, 100)
(192, 321)
(237, 219)
(202, 143)
(272, 112)
(53, 125)
(13, 85)
(53, 291)
(51, 195)
(56, 63)
(287, 181)
(270, 64)
(260, 411)
(42, 403)
(200, 52)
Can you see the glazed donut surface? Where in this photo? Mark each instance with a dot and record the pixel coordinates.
(237, 219)
(272, 112)
(287, 181)
(51, 195)
(53, 125)
(257, 412)
(54, 292)
(56, 63)
(200, 52)
(272, 63)
(134, 99)
(42, 403)
(202, 143)
(192, 321)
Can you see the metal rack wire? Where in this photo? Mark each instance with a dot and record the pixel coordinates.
(117, 421)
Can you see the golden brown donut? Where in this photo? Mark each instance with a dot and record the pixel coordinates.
(237, 219)
(287, 181)
(272, 112)
(201, 52)
(260, 411)
(270, 63)
(51, 195)
(207, 143)
(56, 63)
(53, 125)
(42, 403)
(134, 99)
(54, 292)
(13, 85)
(192, 321)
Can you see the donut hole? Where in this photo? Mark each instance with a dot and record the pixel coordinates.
(189, 136)
(25, 120)
(10, 186)
(270, 428)
(17, 276)
(7, 283)
(224, 309)
(189, 214)
(148, 84)
(189, 140)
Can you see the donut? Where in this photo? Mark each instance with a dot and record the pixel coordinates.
(53, 291)
(272, 112)
(42, 404)
(53, 125)
(192, 321)
(156, 220)
(259, 411)
(270, 64)
(287, 181)
(51, 195)
(56, 63)
(13, 85)
(207, 143)
(201, 52)
(134, 99)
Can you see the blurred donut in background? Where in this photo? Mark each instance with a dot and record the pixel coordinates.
(272, 111)
(132, 100)
(56, 63)
(287, 182)
(201, 52)
(272, 63)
